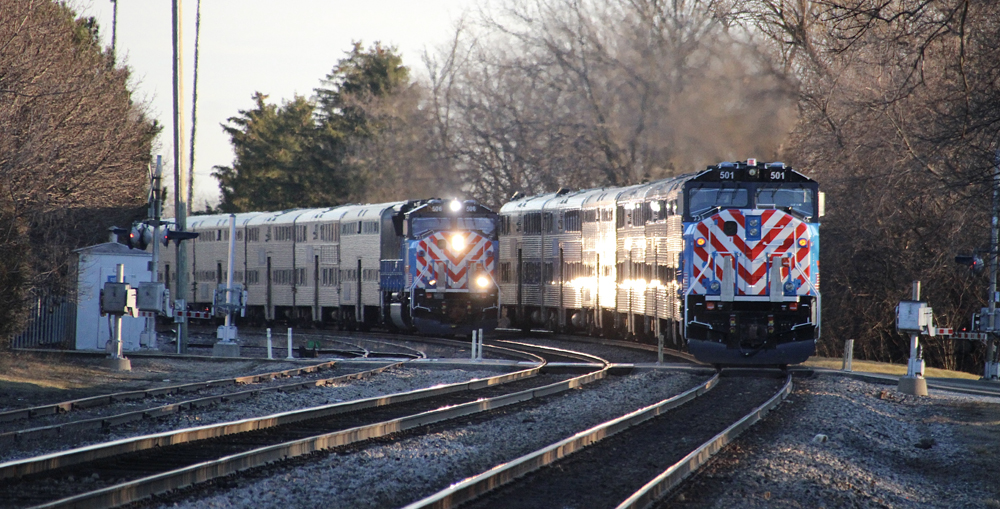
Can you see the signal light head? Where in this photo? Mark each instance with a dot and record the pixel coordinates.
(139, 236)
(973, 262)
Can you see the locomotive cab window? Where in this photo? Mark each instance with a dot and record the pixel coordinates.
(423, 226)
(484, 225)
(703, 199)
(800, 200)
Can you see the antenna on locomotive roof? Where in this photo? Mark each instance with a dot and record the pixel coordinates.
(517, 195)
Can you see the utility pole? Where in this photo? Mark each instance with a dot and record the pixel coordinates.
(181, 197)
(114, 25)
(990, 370)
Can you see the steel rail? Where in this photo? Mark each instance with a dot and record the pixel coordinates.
(559, 351)
(109, 421)
(475, 486)
(107, 399)
(614, 342)
(671, 477)
(417, 353)
(157, 484)
(17, 468)
(626, 344)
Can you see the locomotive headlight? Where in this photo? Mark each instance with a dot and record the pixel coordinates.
(789, 286)
(482, 281)
(803, 242)
(458, 242)
(752, 232)
(753, 222)
(700, 242)
(715, 286)
(455, 205)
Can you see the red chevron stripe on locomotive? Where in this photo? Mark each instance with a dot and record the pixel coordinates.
(437, 254)
(779, 233)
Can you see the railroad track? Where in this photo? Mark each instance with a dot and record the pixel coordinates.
(628, 462)
(317, 344)
(179, 395)
(180, 401)
(128, 470)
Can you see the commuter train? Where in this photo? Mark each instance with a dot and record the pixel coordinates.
(724, 262)
(423, 266)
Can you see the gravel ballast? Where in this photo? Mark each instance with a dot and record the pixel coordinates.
(881, 449)
(839, 442)
(389, 382)
(836, 442)
(392, 474)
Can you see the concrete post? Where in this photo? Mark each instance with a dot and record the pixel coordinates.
(659, 346)
(473, 345)
(848, 355)
(479, 350)
(290, 356)
(269, 355)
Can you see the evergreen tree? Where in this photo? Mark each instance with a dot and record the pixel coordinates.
(313, 153)
(273, 168)
(352, 114)
(364, 76)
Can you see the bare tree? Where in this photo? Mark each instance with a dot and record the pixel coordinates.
(544, 94)
(74, 147)
(898, 119)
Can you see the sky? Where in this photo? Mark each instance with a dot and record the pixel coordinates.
(279, 48)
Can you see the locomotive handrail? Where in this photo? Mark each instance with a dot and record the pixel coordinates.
(818, 308)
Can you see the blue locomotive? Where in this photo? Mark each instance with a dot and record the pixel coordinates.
(723, 262)
(425, 266)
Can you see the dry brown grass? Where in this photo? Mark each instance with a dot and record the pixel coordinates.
(25, 371)
(884, 368)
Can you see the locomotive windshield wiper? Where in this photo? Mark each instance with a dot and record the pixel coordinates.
(711, 210)
(794, 212)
